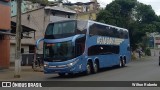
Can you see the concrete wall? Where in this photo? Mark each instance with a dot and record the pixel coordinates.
(4, 16)
(12, 51)
(14, 8)
(38, 20)
(4, 53)
(4, 25)
(86, 16)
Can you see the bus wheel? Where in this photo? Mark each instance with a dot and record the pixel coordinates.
(120, 63)
(61, 74)
(88, 71)
(123, 63)
(95, 67)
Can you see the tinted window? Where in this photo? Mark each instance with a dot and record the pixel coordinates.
(60, 30)
(58, 51)
(102, 50)
(102, 30)
(80, 45)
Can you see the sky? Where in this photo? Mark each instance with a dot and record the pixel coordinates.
(154, 3)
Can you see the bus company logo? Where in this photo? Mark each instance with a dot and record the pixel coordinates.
(21, 84)
(6, 84)
(109, 41)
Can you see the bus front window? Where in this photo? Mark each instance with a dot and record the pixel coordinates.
(60, 30)
(58, 51)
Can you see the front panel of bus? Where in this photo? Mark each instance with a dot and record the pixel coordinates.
(64, 46)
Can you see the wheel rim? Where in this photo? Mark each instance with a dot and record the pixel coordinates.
(120, 64)
(88, 69)
(95, 68)
(124, 63)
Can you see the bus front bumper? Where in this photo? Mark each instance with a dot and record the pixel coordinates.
(59, 70)
(51, 69)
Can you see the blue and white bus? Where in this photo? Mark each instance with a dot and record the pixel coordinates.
(75, 46)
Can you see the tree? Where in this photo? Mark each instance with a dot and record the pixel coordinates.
(137, 17)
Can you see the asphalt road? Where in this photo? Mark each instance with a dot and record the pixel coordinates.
(145, 69)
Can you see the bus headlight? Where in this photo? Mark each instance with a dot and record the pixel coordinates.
(45, 64)
(72, 63)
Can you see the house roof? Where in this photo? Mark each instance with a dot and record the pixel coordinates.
(62, 9)
(25, 28)
(78, 3)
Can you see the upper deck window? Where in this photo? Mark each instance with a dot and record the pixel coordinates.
(60, 29)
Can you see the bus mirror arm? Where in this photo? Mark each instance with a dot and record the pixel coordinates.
(38, 41)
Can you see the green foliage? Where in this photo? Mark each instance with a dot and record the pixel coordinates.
(147, 52)
(137, 17)
(133, 56)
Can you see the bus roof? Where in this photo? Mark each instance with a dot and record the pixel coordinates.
(91, 22)
(107, 25)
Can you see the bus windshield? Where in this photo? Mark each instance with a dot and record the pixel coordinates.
(58, 51)
(60, 30)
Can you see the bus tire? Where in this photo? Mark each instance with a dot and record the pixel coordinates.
(123, 63)
(120, 63)
(61, 74)
(88, 70)
(95, 67)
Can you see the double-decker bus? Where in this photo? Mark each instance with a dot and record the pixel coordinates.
(75, 46)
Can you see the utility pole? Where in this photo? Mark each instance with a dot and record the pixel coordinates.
(18, 41)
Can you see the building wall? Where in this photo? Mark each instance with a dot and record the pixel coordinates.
(14, 7)
(4, 53)
(12, 51)
(34, 20)
(86, 16)
(38, 20)
(4, 16)
(4, 43)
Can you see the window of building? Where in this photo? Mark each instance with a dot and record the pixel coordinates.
(22, 50)
(31, 48)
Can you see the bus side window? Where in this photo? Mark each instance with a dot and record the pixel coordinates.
(79, 49)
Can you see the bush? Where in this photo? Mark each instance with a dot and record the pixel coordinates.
(133, 56)
(148, 52)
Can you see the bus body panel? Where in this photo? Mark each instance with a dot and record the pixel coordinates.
(107, 50)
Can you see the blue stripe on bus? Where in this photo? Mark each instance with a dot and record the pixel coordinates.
(62, 39)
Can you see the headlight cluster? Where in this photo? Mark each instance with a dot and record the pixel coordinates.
(72, 63)
(61, 66)
(45, 64)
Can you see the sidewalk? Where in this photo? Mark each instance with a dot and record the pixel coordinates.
(26, 72)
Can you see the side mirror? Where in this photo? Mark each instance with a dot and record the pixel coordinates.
(38, 41)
